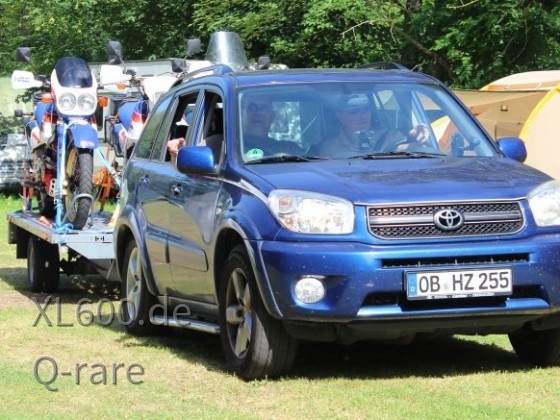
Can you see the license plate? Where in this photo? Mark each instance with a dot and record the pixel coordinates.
(449, 284)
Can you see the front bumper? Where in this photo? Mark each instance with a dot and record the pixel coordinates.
(365, 283)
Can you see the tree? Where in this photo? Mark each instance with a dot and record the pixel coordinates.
(466, 43)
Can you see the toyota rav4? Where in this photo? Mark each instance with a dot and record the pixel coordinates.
(334, 205)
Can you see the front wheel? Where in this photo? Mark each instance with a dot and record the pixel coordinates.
(541, 348)
(79, 173)
(256, 346)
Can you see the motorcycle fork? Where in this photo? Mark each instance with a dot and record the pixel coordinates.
(61, 180)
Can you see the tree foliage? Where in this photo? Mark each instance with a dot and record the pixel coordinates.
(466, 43)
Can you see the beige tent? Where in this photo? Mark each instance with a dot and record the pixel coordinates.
(525, 105)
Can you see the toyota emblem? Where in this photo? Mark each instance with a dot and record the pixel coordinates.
(449, 219)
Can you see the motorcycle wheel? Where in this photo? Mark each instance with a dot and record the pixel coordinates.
(79, 173)
(45, 201)
(46, 204)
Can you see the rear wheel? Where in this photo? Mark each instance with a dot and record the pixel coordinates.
(136, 300)
(79, 173)
(256, 346)
(541, 348)
(43, 269)
(46, 204)
(45, 201)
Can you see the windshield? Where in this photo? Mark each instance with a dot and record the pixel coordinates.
(355, 120)
(73, 72)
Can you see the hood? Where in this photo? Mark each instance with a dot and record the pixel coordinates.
(406, 180)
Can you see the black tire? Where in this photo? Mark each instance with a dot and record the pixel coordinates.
(136, 300)
(79, 173)
(43, 266)
(255, 345)
(45, 201)
(46, 204)
(540, 348)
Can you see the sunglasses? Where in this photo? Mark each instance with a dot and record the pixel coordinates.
(256, 107)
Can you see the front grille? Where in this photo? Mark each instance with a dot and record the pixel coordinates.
(418, 221)
(11, 168)
(384, 299)
(455, 261)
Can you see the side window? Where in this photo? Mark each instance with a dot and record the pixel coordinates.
(147, 139)
(454, 135)
(296, 120)
(212, 122)
(442, 126)
(387, 113)
(180, 126)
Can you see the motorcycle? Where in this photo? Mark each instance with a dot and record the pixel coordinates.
(62, 136)
(123, 129)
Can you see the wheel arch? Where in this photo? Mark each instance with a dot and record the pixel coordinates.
(125, 231)
(227, 239)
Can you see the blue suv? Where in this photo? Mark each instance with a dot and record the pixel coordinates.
(334, 205)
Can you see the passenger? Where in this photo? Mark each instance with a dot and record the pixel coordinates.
(175, 144)
(257, 116)
(357, 136)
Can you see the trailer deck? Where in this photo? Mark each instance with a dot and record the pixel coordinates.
(86, 251)
(94, 242)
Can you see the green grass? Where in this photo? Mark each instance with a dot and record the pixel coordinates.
(185, 376)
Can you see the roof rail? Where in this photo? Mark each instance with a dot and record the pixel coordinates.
(217, 69)
(384, 65)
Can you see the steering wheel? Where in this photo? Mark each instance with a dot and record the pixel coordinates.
(392, 140)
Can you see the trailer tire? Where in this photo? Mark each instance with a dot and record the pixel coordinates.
(136, 300)
(43, 265)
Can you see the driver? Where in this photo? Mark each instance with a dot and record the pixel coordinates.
(356, 134)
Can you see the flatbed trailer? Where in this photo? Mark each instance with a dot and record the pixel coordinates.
(86, 251)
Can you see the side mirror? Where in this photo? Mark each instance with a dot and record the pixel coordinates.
(24, 80)
(513, 148)
(114, 55)
(178, 65)
(196, 160)
(263, 62)
(193, 46)
(23, 54)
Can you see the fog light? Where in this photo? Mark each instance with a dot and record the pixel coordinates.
(309, 290)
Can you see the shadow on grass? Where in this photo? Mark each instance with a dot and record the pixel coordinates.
(436, 357)
(71, 288)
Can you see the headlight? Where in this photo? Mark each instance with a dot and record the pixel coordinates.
(67, 102)
(87, 103)
(545, 203)
(307, 212)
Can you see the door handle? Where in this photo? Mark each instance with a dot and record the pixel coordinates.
(145, 180)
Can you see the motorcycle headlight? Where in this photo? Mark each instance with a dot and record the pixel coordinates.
(67, 102)
(87, 103)
(545, 203)
(308, 212)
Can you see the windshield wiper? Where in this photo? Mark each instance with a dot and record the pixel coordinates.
(397, 155)
(285, 158)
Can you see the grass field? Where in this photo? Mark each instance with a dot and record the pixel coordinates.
(184, 372)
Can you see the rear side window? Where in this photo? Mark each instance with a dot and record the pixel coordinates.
(148, 137)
